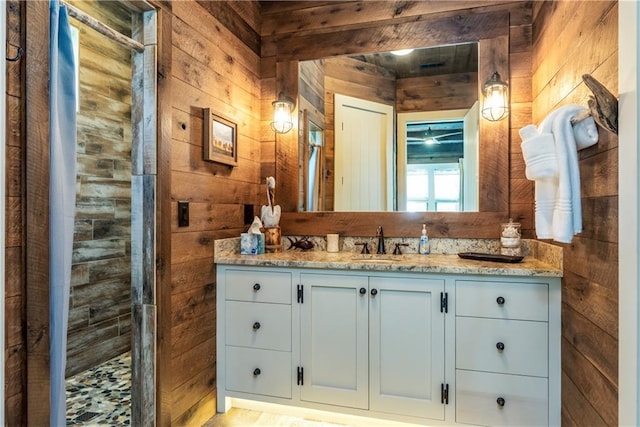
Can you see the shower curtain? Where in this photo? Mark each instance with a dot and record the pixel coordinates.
(62, 198)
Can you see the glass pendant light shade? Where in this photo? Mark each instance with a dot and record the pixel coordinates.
(282, 118)
(496, 99)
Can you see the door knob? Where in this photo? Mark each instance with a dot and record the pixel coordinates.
(500, 346)
(363, 291)
(500, 401)
(374, 292)
(256, 326)
(256, 372)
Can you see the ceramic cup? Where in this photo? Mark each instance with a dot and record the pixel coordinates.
(332, 242)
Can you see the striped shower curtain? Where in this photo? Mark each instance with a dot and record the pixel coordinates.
(62, 198)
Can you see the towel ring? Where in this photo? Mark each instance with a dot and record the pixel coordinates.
(17, 57)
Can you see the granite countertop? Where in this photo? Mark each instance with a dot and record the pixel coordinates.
(549, 264)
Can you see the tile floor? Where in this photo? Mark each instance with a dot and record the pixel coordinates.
(101, 396)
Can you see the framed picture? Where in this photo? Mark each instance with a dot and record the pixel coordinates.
(220, 139)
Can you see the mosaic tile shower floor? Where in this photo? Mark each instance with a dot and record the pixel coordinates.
(101, 396)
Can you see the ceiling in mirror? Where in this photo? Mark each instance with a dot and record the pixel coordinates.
(453, 59)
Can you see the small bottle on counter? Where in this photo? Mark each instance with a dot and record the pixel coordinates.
(424, 247)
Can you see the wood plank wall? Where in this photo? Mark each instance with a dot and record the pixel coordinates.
(571, 39)
(313, 20)
(100, 303)
(215, 65)
(15, 292)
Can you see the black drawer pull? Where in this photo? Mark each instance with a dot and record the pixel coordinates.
(363, 291)
(374, 292)
(500, 346)
(500, 300)
(256, 326)
(256, 372)
(256, 287)
(500, 401)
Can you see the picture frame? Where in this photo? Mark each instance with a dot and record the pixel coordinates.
(220, 141)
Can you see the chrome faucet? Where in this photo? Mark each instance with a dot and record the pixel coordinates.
(380, 236)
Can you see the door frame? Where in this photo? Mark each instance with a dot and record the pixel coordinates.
(152, 204)
(629, 212)
(3, 173)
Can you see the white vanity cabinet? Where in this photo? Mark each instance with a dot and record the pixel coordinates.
(407, 346)
(373, 343)
(257, 331)
(428, 348)
(507, 353)
(334, 340)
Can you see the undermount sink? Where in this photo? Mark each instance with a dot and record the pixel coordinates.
(373, 258)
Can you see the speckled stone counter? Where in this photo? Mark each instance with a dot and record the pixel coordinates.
(541, 259)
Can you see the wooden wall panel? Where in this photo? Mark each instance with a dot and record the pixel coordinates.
(15, 292)
(563, 51)
(214, 65)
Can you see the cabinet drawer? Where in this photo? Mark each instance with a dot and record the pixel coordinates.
(256, 371)
(525, 346)
(525, 399)
(251, 324)
(258, 286)
(503, 300)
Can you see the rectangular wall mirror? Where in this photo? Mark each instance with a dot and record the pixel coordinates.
(402, 130)
(335, 54)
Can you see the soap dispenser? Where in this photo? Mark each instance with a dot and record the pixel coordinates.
(424, 248)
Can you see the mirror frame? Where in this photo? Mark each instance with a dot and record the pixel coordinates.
(491, 31)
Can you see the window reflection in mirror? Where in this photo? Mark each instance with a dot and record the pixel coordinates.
(438, 161)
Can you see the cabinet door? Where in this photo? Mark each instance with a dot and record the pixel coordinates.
(406, 334)
(334, 339)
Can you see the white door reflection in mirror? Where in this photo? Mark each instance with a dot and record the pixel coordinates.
(470, 161)
(364, 166)
(438, 161)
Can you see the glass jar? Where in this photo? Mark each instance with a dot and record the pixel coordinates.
(510, 238)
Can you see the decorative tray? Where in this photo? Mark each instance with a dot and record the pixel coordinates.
(490, 257)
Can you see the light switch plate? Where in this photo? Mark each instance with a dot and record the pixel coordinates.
(183, 214)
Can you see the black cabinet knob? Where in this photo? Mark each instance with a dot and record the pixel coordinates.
(500, 300)
(256, 326)
(363, 291)
(500, 346)
(256, 287)
(500, 401)
(374, 292)
(256, 372)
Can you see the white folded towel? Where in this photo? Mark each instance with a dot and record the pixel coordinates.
(539, 153)
(558, 216)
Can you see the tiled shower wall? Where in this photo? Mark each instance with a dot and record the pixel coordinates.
(100, 305)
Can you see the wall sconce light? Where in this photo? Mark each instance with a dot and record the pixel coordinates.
(282, 120)
(496, 99)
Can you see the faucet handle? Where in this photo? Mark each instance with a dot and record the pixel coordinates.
(365, 247)
(397, 250)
